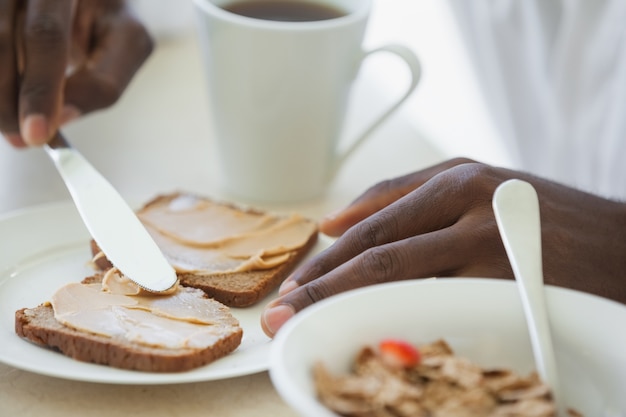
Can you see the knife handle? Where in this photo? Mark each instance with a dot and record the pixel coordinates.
(58, 141)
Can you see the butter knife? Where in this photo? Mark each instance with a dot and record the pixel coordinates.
(111, 222)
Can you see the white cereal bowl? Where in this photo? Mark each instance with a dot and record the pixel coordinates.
(482, 320)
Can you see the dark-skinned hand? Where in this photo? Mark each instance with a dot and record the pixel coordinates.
(61, 59)
(439, 222)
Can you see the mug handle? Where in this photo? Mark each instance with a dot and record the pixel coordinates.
(409, 57)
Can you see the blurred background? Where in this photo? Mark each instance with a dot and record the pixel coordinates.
(154, 138)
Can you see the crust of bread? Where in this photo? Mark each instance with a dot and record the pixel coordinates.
(39, 326)
(242, 289)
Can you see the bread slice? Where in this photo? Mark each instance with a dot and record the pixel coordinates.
(234, 289)
(40, 326)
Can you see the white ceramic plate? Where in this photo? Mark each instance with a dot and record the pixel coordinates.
(482, 319)
(44, 247)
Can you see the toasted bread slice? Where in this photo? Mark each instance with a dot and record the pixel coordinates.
(234, 289)
(40, 326)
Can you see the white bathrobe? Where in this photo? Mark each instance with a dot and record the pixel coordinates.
(553, 74)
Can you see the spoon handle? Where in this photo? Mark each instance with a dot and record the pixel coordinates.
(516, 208)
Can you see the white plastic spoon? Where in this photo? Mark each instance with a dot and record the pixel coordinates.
(516, 208)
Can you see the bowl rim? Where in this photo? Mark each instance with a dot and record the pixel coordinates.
(299, 400)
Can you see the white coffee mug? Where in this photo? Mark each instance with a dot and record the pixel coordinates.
(279, 92)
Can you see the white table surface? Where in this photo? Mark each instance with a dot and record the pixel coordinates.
(157, 139)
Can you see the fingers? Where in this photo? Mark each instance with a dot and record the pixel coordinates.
(419, 256)
(452, 251)
(121, 46)
(445, 227)
(9, 124)
(380, 196)
(372, 266)
(373, 200)
(436, 205)
(61, 59)
(45, 45)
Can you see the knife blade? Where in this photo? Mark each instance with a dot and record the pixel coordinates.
(111, 222)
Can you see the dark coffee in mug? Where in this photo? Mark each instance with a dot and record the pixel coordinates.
(284, 10)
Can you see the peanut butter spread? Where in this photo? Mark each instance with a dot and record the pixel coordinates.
(201, 236)
(185, 318)
(115, 282)
(196, 236)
